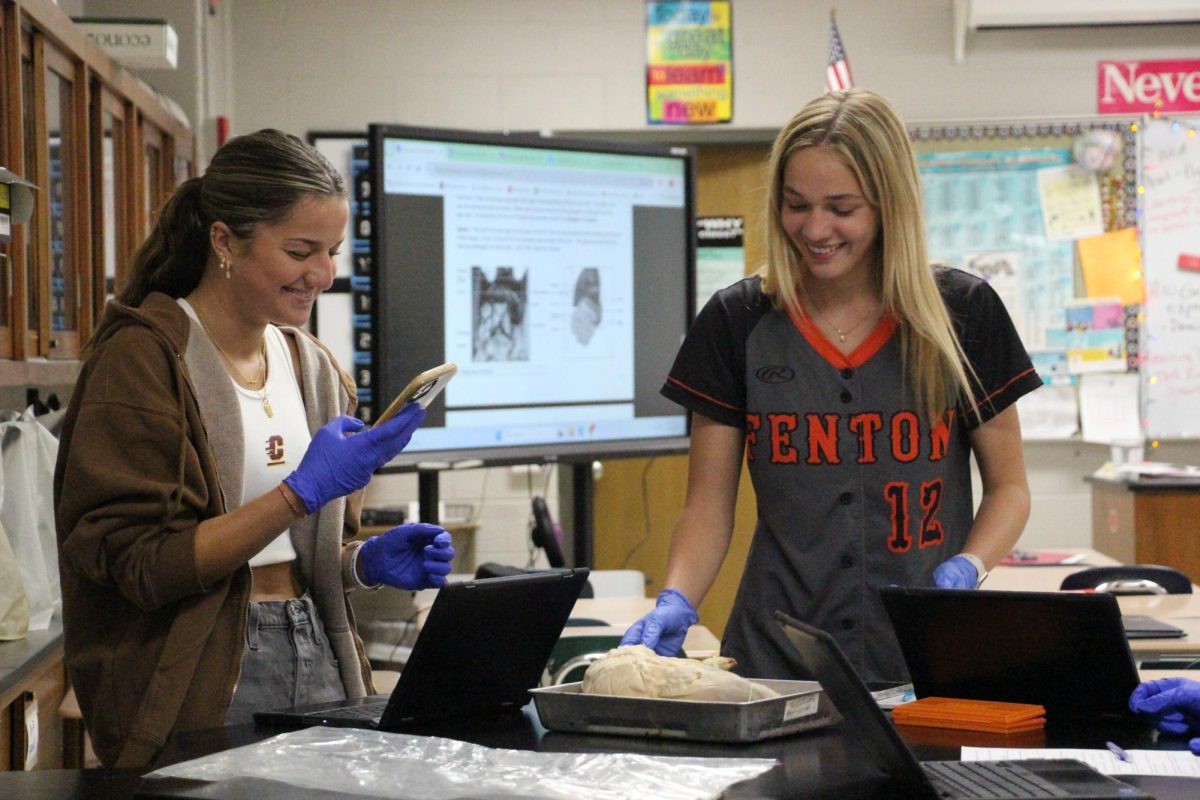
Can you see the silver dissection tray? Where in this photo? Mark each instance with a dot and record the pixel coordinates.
(801, 706)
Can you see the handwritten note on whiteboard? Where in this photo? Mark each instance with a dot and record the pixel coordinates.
(1170, 233)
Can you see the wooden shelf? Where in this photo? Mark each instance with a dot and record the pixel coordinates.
(1147, 523)
(38, 372)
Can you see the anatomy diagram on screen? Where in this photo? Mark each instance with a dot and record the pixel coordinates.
(586, 315)
(498, 324)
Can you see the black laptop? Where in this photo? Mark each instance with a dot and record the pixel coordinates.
(482, 648)
(1140, 626)
(1065, 651)
(1016, 780)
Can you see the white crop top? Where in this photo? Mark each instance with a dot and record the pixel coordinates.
(273, 445)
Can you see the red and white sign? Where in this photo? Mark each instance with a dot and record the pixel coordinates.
(1136, 87)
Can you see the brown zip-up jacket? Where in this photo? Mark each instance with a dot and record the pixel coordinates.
(151, 445)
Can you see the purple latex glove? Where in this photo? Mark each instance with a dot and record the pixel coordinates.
(663, 629)
(1173, 703)
(955, 573)
(340, 460)
(415, 555)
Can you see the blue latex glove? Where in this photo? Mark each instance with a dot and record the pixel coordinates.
(1173, 703)
(341, 460)
(664, 628)
(411, 556)
(955, 573)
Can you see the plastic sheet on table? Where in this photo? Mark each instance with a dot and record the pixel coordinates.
(377, 764)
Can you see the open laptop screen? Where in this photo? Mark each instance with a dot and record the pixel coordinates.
(481, 649)
(1064, 651)
(947, 780)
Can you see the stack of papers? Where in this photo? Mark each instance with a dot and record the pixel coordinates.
(1031, 558)
(1149, 469)
(990, 716)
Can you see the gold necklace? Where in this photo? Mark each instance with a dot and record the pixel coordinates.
(842, 334)
(253, 385)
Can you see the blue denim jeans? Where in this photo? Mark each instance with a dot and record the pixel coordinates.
(287, 661)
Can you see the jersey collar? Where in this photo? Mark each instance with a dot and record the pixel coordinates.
(860, 355)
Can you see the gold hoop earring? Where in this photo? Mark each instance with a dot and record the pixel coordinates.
(224, 265)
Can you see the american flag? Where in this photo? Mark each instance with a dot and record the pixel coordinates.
(837, 73)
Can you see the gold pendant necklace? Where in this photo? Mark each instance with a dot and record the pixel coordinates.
(267, 400)
(264, 393)
(258, 384)
(841, 334)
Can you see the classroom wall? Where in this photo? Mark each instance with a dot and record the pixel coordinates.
(199, 84)
(547, 64)
(307, 65)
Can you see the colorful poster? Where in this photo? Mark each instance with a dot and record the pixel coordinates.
(1096, 335)
(689, 62)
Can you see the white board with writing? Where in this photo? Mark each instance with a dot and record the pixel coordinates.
(1170, 229)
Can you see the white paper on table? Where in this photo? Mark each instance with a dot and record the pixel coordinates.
(1177, 763)
(1149, 469)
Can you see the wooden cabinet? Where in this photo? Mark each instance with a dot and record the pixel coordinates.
(104, 151)
(33, 682)
(1148, 522)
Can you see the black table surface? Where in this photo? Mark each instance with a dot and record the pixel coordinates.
(826, 763)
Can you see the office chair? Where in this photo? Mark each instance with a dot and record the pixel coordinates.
(1130, 579)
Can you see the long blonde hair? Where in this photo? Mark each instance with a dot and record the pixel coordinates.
(868, 135)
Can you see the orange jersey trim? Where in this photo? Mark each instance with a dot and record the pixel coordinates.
(709, 398)
(860, 355)
(1002, 389)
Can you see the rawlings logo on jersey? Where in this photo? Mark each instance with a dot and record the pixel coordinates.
(775, 374)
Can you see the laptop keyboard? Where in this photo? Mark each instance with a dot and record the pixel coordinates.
(369, 711)
(989, 779)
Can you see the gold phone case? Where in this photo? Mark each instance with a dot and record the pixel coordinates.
(422, 389)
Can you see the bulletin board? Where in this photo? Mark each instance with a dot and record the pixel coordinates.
(1170, 224)
(992, 208)
(968, 172)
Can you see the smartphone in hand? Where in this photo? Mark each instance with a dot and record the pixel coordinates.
(422, 390)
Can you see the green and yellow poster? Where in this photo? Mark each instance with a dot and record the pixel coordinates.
(689, 62)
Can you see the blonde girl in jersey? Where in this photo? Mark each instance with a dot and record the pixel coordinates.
(859, 381)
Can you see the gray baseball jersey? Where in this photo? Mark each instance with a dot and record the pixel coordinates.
(854, 489)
